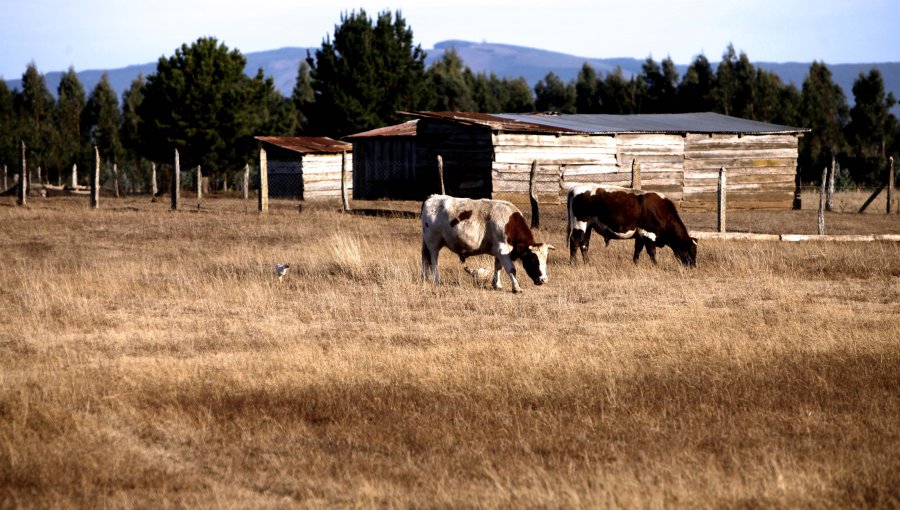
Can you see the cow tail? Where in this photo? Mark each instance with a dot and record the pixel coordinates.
(568, 216)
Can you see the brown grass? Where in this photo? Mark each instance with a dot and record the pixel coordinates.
(151, 358)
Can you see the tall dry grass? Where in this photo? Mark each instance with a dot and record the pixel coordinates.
(151, 358)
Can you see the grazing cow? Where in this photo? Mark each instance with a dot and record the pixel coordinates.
(624, 213)
(481, 227)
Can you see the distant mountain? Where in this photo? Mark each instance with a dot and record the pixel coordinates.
(504, 60)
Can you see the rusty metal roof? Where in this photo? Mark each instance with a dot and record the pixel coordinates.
(408, 128)
(662, 123)
(307, 144)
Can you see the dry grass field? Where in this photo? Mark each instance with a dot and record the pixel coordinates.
(150, 358)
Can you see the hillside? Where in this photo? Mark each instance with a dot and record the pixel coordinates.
(501, 59)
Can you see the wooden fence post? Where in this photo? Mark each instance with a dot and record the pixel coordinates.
(822, 201)
(829, 194)
(246, 181)
(116, 180)
(440, 162)
(345, 202)
(154, 188)
(263, 182)
(890, 185)
(176, 182)
(722, 199)
(74, 175)
(23, 181)
(5, 186)
(95, 180)
(635, 174)
(533, 196)
(199, 184)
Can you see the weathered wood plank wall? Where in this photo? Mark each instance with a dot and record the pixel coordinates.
(322, 175)
(761, 170)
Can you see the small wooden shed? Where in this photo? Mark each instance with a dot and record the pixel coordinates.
(490, 156)
(306, 167)
(384, 163)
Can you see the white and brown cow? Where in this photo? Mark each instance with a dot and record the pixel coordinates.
(481, 227)
(624, 213)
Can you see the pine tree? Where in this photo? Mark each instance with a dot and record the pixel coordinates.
(133, 165)
(100, 121)
(446, 79)
(8, 129)
(658, 86)
(618, 95)
(735, 79)
(303, 96)
(870, 128)
(366, 75)
(823, 108)
(69, 146)
(34, 108)
(517, 96)
(552, 95)
(587, 90)
(201, 102)
(695, 92)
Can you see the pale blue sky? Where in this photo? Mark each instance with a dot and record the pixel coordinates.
(105, 34)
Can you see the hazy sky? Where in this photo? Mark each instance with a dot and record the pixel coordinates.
(105, 34)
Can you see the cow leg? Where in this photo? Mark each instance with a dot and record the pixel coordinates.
(497, 268)
(574, 242)
(651, 250)
(638, 246)
(510, 268)
(585, 244)
(430, 262)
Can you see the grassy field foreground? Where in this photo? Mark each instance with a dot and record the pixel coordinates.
(150, 358)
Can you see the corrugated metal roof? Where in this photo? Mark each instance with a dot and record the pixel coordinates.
(664, 123)
(307, 144)
(406, 129)
(495, 122)
(705, 122)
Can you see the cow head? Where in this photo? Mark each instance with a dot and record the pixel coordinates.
(687, 252)
(534, 260)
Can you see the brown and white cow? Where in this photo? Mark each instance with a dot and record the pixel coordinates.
(624, 213)
(481, 227)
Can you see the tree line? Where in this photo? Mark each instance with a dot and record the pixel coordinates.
(201, 102)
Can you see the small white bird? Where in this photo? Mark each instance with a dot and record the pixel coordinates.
(281, 270)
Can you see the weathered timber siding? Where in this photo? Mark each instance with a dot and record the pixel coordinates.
(563, 160)
(322, 175)
(761, 170)
(466, 151)
(662, 161)
(384, 167)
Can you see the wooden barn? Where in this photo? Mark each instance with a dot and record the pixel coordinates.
(679, 154)
(384, 163)
(305, 167)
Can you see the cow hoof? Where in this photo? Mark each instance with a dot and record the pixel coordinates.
(517, 290)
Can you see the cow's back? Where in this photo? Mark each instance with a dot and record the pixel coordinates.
(464, 225)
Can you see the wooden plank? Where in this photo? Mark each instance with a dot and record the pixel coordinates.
(536, 140)
(735, 236)
(742, 153)
(732, 163)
